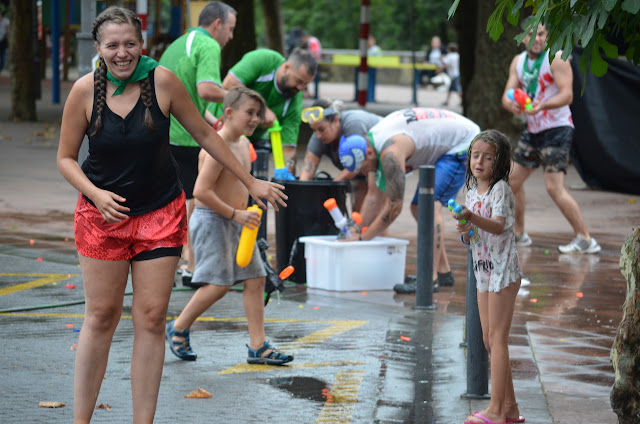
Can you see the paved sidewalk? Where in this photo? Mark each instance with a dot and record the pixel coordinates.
(409, 363)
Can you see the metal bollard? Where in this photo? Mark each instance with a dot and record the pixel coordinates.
(424, 256)
(260, 170)
(477, 356)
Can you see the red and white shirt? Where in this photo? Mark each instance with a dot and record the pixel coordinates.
(547, 88)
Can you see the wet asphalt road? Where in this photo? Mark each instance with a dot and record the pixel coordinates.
(360, 358)
(353, 363)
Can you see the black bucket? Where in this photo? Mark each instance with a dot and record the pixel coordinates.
(305, 215)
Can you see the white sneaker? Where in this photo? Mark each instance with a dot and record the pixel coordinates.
(523, 240)
(580, 245)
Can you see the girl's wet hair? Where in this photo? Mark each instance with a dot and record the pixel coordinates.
(502, 162)
(240, 94)
(117, 15)
(336, 105)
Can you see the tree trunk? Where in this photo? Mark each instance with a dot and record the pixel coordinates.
(244, 36)
(23, 91)
(626, 345)
(484, 68)
(273, 24)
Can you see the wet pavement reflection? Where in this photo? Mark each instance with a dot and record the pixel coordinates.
(567, 312)
(303, 388)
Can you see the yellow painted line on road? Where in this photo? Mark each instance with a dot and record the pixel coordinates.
(337, 324)
(245, 367)
(43, 280)
(342, 398)
(317, 337)
(320, 336)
(37, 314)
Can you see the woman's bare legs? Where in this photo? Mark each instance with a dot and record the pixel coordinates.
(152, 284)
(104, 285)
(496, 312)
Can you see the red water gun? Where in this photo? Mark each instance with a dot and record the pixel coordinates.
(520, 97)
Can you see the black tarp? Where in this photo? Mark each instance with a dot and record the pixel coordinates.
(606, 146)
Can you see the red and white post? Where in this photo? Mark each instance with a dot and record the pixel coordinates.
(363, 72)
(142, 10)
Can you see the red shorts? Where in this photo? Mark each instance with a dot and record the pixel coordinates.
(155, 234)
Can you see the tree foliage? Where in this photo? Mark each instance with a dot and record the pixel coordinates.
(337, 22)
(244, 36)
(599, 26)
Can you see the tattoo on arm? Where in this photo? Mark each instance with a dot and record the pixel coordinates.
(388, 216)
(394, 176)
(387, 143)
(308, 166)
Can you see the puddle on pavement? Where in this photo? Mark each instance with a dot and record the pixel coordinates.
(303, 387)
(582, 295)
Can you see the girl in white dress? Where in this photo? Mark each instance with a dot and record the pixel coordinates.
(490, 211)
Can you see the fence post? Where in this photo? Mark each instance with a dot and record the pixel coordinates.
(424, 256)
(477, 356)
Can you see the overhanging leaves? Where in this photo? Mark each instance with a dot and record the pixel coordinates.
(587, 23)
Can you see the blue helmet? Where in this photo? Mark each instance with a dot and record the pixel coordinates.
(352, 152)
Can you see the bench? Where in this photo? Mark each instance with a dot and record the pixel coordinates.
(374, 63)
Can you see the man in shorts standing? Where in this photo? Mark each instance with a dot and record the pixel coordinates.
(402, 141)
(195, 58)
(547, 139)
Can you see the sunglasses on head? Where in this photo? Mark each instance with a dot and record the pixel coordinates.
(316, 113)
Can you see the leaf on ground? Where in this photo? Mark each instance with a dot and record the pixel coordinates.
(200, 394)
(103, 406)
(50, 404)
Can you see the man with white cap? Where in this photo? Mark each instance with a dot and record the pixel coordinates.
(402, 141)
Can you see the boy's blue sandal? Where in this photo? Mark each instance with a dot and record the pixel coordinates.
(275, 357)
(181, 349)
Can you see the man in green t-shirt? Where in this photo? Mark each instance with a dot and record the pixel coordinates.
(195, 58)
(281, 82)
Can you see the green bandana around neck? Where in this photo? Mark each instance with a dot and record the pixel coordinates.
(530, 77)
(381, 183)
(145, 64)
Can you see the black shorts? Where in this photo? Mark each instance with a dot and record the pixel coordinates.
(455, 85)
(187, 159)
(549, 148)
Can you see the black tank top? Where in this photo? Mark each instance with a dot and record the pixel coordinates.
(128, 159)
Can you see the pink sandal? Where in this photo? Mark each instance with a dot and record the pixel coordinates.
(483, 418)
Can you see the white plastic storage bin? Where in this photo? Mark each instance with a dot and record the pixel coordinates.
(376, 264)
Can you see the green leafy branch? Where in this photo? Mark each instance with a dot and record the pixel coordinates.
(587, 23)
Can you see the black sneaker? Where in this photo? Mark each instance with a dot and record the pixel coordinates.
(406, 288)
(410, 286)
(445, 279)
(186, 280)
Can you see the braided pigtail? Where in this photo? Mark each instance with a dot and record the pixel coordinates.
(100, 88)
(146, 94)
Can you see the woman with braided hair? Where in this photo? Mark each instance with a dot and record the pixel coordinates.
(131, 214)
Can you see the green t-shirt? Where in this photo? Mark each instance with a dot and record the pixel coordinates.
(257, 70)
(194, 57)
